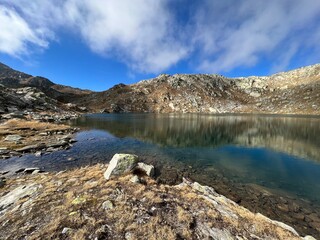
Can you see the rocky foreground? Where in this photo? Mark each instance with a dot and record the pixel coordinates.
(122, 201)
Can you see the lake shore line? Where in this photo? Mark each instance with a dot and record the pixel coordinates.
(81, 203)
(255, 198)
(35, 134)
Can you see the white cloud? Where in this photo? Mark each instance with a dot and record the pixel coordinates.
(148, 35)
(240, 33)
(141, 33)
(17, 35)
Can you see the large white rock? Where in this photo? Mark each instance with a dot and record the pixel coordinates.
(120, 164)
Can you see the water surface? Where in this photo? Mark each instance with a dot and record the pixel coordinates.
(276, 152)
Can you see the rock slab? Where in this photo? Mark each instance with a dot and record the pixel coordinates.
(121, 163)
(16, 194)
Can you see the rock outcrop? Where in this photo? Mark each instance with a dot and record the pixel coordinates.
(20, 136)
(296, 91)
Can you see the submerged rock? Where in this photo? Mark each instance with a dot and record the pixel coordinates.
(120, 164)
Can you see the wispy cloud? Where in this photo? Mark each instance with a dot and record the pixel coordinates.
(149, 36)
(17, 36)
(240, 33)
(141, 33)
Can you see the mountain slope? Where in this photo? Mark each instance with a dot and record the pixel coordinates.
(14, 79)
(293, 92)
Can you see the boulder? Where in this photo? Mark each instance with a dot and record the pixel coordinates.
(148, 169)
(120, 164)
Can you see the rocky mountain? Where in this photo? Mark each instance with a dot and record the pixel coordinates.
(296, 91)
(11, 78)
(293, 92)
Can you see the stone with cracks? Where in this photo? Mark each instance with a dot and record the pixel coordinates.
(120, 164)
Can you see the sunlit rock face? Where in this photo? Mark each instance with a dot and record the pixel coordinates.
(290, 92)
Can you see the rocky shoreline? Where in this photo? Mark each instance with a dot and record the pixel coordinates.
(302, 215)
(43, 137)
(120, 201)
(19, 137)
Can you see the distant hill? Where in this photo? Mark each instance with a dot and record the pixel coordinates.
(292, 92)
(11, 78)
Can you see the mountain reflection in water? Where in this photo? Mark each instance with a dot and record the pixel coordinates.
(273, 152)
(297, 136)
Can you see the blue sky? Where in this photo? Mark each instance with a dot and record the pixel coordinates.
(95, 44)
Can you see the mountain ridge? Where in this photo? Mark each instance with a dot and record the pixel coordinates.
(293, 92)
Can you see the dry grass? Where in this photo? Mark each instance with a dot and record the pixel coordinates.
(73, 199)
(30, 131)
(36, 125)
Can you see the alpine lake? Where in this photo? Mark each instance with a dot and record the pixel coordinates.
(267, 163)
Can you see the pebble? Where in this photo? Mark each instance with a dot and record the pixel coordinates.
(38, 154)
(35, 172)
(19, 170)
(129, 236)
(135, 179)
(66, 230)
(106, 205)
